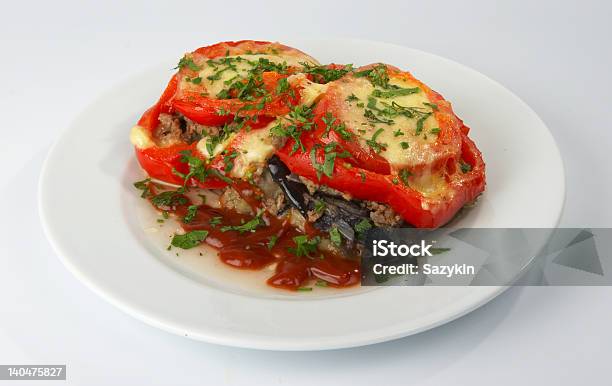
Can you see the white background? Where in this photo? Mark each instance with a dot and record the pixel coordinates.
(57, 56)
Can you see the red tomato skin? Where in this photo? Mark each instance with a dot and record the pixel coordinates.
(159, 162)
(206, 110)
(150, 118)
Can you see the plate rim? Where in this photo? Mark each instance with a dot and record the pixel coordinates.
(340, 342)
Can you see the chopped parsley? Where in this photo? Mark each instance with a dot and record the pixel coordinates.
(335, 237)
(299, 119)
(214, 221)
(144, 186)
(305, 247)
(228, 161)
(404, 175)
(377, 75)
(327, 167)
(189, 63)
(249, 226)
(435, 130)
(339, 128)
(352, 98)
(363, 226)
(465, 167)
(192, 210)
(282, 86)
(189, 239)
(420, 123)
(376, 146)
(222, 112)
(220, 176)
(319, 206)
(433, 106)
(325, 74)
(395, 92)
(272, 241)
(369, 114)
(404, 145)
(196, 166)
(169, 198)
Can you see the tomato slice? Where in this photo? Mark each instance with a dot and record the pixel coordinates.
(245, 78)
(416, 208)
(426, 180)
(404, 125)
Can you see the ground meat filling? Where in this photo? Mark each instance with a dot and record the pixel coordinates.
(174, 129)
(231, 199)
(382, 215)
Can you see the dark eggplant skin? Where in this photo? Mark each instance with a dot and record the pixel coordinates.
(338, 212)
(295, 192)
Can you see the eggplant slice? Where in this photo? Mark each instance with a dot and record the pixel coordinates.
(338, 212)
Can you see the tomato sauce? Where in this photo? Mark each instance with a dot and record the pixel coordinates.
(271, 242)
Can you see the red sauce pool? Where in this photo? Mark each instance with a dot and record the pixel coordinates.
(271, 242)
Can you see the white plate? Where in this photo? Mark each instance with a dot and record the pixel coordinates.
(94, 219)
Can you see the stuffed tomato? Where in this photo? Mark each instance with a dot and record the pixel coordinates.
(300, 159)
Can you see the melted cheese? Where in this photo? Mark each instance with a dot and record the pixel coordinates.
(242, 64)
(253, 148)
(310, 91)
(431, 185)
(201, 146)
(253, 152)
(353, 116)
(141, 137)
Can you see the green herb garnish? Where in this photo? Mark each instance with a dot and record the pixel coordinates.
(249, 226)
(192, 210)
(169, 198)
(465, 167)
(352, 98)
(404, 175)
(335, 237)
(325, 73)
(189, 239)
(377, 75)
(214, 221)
(362, 226)
(378, 147)
(305, 247)
(189, 63)
(395, 92)
(144, 186)
(319, 206)
(272, 241)
(420, 123)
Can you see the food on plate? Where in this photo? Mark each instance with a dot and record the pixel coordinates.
(277, 161)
